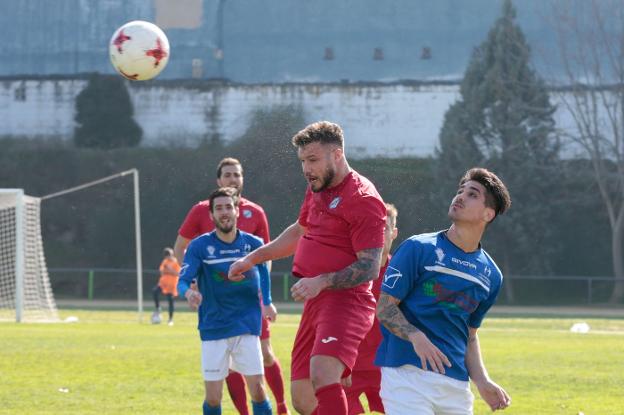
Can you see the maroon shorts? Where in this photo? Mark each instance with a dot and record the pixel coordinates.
(266, 330)
(333, 324)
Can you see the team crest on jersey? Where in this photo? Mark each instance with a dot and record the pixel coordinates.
(391, 277)
(487, 271)
(211, 250)
(247, 248)
(334, 202)
(440, 254)
(247, 213)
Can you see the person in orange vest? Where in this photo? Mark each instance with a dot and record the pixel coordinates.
(167, 284)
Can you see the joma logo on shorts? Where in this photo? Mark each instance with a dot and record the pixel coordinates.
(329, 339)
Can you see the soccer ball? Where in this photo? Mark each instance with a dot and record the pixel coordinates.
(139, 50)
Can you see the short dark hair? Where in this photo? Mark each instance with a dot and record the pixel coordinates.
(497, 196)
(391, 212)
(324, 132)
(223, 192)
(228, 161)
(167, 252)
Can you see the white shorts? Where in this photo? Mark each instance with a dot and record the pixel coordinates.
(240, 353)
(410, 390)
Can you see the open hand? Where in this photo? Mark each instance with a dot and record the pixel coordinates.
(429, 354)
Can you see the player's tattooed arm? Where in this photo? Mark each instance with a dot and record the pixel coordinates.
(392, 318)
(365, 269)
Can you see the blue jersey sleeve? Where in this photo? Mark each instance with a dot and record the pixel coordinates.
(478, 315)
(265, 283)
(402, 272)
(263, 270)
(190, 269)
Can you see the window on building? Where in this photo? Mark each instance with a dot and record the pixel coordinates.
(20, 92)
(378, 54)
(197, 68)
(329, 54)
(425, 54)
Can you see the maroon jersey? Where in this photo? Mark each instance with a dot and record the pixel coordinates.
(251, 219)
(368, 346)
(339, 222)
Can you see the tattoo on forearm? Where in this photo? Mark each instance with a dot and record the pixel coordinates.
(366, 268)
(392, 318)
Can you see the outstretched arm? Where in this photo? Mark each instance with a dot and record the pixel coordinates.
(495, 396)
(391, 316)
(365, 269)
(281, 247)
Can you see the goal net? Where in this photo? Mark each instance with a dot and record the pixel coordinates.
(25, 292)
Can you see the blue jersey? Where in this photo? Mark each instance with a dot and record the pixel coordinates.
(443, 291)
(228, 308)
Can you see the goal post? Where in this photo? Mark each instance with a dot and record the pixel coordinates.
(25, 291)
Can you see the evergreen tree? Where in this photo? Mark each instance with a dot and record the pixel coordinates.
(104, 114)
(503, 121)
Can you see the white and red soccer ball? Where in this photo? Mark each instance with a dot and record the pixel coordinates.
(139, 50)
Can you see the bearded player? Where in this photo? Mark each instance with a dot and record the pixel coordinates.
(337, 242)
(253, 220)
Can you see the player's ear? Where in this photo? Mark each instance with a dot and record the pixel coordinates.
(395, 233)
(338, 153)
(489, 214)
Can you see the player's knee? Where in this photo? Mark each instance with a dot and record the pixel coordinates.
(325, 370)
(303, 398)
(256, 389)
(302, 404)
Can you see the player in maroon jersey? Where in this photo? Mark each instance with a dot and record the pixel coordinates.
(337, 242)
(365, 376)
(252, 219)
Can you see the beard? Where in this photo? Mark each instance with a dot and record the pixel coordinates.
(225, 228)
(323, 182)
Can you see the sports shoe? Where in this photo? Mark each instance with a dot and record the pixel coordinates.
(170, 323)
(156, 317)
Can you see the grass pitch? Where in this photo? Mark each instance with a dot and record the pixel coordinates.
(107, 363)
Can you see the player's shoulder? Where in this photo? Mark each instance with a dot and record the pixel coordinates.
(421, 242)
(248, 204)
(202, 240)
(361, 185)
(201, 206)
(493, 269)
(251, 238)
(359, 190)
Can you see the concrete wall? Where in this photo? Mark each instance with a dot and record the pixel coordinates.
(391, 120)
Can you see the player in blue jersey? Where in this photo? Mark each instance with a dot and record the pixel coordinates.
(434, 296)
(229, 312)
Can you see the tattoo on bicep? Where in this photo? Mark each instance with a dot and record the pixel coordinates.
(392, 318)
(364, 269)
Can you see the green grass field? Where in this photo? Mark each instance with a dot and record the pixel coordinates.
(107, 363)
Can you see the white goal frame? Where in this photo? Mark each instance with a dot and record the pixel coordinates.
(20, 241)
(41, 306)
